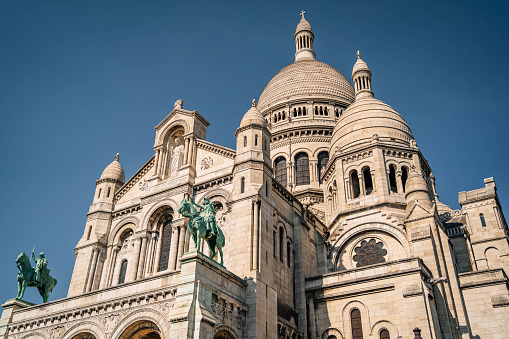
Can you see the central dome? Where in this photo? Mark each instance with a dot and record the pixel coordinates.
(306, 79)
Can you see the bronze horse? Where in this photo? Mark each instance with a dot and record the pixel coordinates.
(26, 277)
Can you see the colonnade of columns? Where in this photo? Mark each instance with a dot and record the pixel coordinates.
(362, 82)
(362, 184)
(291, 176)
(163, 156)
(144, 262)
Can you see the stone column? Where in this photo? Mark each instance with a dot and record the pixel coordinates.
(399, 183)
(348, 189)
(361, 183)
(312, 171)
(155, 268)
(373, 179)
(187, 240)
(182, 240)
(91, 273)
(312, 318)
(291, 174)
(150, 262)
(255, 230)
(136, 257)
(186, 150)
(173, 248)
(156, 162)
(191, 151)
(115, 269)
(143, 254)
(107, 267)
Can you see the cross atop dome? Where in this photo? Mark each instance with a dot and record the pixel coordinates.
(358, 55)
(302, 14)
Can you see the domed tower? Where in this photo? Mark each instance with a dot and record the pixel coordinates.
(91, 249)
(301, 105)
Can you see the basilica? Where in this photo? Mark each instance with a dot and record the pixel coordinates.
(332, 223)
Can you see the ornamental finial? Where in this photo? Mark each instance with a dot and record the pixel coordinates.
(359, 55)
(253, 103)
(302, 14)
(117, 157)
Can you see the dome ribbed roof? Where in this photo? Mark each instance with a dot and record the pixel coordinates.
(306, 79)
(360, 65)
(369, 119)
(114, 171)
(303, 26)
(253, 116)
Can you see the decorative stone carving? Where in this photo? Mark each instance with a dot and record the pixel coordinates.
(206, 163)
(57, 331)
(369, 253)
(110, 321)
(143, 184)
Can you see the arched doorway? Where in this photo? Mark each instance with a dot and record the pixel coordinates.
(142, 330)
(223, 334)
(84, 336)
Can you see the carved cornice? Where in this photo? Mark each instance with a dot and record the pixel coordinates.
(216, 182)
(166, 194)
(126, 211)
(357, 156)
(134, 179)
(98, 215)
(398, 153)
(297, 140)
(208, 146)
(113, 181)
(252, 126)
(250, 164)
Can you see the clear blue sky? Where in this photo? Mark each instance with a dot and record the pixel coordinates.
(83, 80)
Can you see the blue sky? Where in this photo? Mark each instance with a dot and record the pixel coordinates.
(83, 80)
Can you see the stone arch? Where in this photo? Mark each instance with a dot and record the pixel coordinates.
(315, 153)
(141, 319)
(121, 227)
(492, 255)
(301, 150)
(218, 329)
(331, 331)
(384, 324)
(366, 227)
(84, 327)
(168, 130)
(151, 214)
(347, 309)
(34, 335)
(221, 192)
(279, 154)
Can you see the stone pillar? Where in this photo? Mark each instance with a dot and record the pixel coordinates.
(192, 151)
(91, 273)
(312, 171)
(150, 261)
(312, 318)
(173, 248)
(255, 230)
(182, 240)
(399, 183)
(143, 254)
(348, 189)
(155, 268)
(373, 179)
(115, 269)
(361, 184)
(10, 306)
(136, 257)
(106, 271)
(291, 174)
(186, 150)
(156, 162)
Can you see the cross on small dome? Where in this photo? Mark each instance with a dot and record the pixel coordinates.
(117, 157)
(253, 103)
(302, 14)
(358, 55)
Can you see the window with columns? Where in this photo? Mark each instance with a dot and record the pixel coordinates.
(404, 177)
(354, 181)
(368, 181)
(392, 179)
(280, 170)
(302, 169)
(323, 158)
(166, 235)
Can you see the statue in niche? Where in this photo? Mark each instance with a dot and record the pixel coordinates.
(176, 157)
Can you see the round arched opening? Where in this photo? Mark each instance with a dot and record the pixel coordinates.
(142, 330)
(223, 334)
(84, 336)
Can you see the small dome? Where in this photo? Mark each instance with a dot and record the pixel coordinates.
(366, 118)
(114, 171)
(360, 65)
(253, 116)
(416, 188)
(303, 26)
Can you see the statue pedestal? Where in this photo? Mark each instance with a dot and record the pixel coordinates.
(9, 307)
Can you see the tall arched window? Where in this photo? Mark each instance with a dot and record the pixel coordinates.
(288, 253)
(109, 191)
(99, 194)
(123, 270)
(356, 189)
(89, 232)
(483, 221)
(280, 170)
(392, 178)
(256, 139)
(384, 334)
(165, 242)
(302, 169)
(242, 185)
(355, 319)
(368, 182)
(274, 243)
(245, 141)
(281, 244)
(404, 177)
(323, 158)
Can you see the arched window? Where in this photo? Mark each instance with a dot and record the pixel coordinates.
(332, 337)
(242, 185)
(356, 189)
(404, 177)
(109, 191)
(302, 169)
(89, 232)
(368, 182)
(267, 189)
(304, 111)
(355, 319)
(483, 222)
(321, 110)
(295, 112)
(316, 110)
(323, 158)
(288, 253)
(99, 194)
(300, 111)
(256, 140)
(281, 244)
(325, 111)
(123, 270)
(284, 115)
(245, 141)
(217, 205)
(392, 178)
(280, 170)
(165, 243)
(274, 243)
(384, 334)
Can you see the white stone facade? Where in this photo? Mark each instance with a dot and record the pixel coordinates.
(333, 226)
